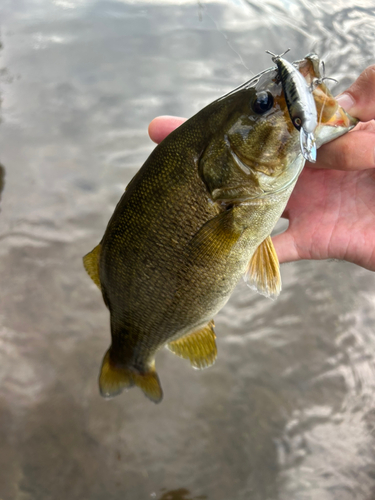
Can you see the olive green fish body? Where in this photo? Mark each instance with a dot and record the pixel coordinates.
(194, 219)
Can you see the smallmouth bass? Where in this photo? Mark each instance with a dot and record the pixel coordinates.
(196, 217)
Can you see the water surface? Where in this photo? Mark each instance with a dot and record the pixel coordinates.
(287, 412)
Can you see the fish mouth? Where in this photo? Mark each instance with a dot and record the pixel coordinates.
(339, 124)
(333, 120)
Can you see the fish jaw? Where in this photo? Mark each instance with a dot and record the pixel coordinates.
(333, 120)
(339, 124)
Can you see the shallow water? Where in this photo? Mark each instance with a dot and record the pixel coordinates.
(287, 412)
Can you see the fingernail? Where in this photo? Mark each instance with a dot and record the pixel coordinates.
(346, 101)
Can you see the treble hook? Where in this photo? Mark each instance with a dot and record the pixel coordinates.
(320, 80)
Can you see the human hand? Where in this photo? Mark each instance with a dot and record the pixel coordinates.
(331, 211)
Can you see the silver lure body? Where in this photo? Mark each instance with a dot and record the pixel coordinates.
(301, 105)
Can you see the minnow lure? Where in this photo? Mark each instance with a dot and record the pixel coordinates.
(300, 102)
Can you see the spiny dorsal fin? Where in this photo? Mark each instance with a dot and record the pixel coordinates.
(263, 271)
(115, 378)
(199, 347)
(91, 263)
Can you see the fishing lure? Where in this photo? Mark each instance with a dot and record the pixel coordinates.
(316, 64)
(300, 102)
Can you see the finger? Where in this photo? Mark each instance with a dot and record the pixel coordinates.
(161, 126)
(353, 151)
(359, 98)
(286, 248)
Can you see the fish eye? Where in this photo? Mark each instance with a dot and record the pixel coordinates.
(263, 102)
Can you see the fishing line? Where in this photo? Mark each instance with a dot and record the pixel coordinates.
(204, 9)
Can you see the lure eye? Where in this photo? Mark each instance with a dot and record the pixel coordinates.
(263, 102)
(297, 122)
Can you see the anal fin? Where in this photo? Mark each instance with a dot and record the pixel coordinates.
(198, 347)
(263, 271)
(114, 378)
(91, 263)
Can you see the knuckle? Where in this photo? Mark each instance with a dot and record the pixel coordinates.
(365, 82)
(369, 73)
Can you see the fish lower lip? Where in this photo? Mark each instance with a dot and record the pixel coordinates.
(337, 126)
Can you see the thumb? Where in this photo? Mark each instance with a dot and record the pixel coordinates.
(161, 126)
(286, 248)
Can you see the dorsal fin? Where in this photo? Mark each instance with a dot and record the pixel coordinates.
(198, 347)
(91, 263)
(263, 271)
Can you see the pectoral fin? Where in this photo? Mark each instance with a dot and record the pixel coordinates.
(91, 263)
(114, 378)
(215, 239)
(198, 347)
(263, 272)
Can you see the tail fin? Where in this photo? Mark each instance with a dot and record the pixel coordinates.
(114, 379)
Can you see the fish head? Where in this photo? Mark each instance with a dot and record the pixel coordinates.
(257, 153)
